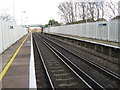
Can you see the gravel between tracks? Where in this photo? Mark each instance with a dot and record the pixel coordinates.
(62, 76)
(96, 75)
(42, 81)
(80, 51)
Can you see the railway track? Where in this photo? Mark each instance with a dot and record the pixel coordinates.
(115, 79)
(90, 62)
(41, 77)
(61, 72)
(74, 45)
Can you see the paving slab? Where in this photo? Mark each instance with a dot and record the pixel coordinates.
(17, 75)
(7, 54)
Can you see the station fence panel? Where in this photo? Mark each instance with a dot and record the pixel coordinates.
(9, 34)
(103, 30)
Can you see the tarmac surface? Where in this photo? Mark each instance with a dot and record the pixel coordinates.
(17, 76)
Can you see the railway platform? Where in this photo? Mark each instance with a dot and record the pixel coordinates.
(15, 71)
(107, 48)
(101, 42)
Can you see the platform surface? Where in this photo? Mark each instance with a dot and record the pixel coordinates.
(17, 75)
(103, 42)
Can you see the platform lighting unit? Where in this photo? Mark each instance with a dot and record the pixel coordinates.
(14, 11)
(22, 12)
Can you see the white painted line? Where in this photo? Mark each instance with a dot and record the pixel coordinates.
(32, 77)
(108, 45)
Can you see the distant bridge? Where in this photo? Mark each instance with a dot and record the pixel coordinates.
(35, 25)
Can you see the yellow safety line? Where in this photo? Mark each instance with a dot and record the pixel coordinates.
(2, 74)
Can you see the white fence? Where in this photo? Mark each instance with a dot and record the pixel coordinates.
(99, 30)
(9, 34)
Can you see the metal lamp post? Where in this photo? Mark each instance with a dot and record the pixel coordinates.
(14, 11)
(22, 16)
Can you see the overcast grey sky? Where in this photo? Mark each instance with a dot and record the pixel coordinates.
(37, 11)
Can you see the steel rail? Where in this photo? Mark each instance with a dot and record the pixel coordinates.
(90, 62)
(80, 73)
(49, 47)
(49, 78)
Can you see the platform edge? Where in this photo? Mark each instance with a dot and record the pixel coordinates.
(32, 77)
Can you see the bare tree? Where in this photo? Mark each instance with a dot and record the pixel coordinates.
(92, 11)
(119, 8)
(67, 12)
(62, 11)
(71, 12)
(111, 9)
(75, 11)
(6, 17)
(98, 6)
(82, 12)
(79, 11)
